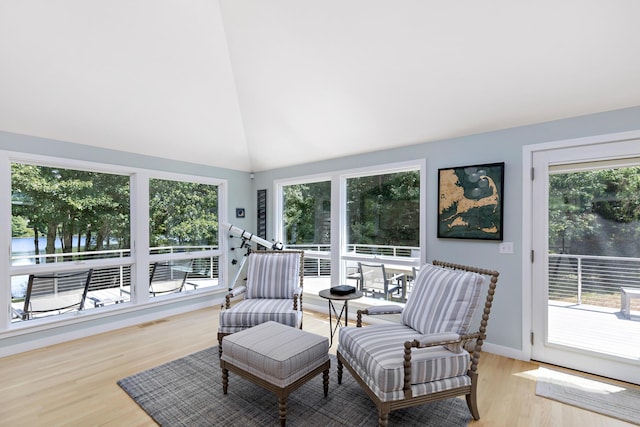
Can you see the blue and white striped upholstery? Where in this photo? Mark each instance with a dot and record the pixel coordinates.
(251, 312)
(376, 353)
(273, 279)
(273, 275)
(442, 300)
(276, 353)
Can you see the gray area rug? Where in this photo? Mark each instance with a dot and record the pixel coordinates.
(617, 401)
(188, 392)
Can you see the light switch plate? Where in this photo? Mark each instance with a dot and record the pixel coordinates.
(506, 247)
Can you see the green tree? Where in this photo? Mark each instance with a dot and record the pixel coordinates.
(595, 212)
(384, 209)
(182, 213)
(19, 227)
(61, 203)
(307, 213)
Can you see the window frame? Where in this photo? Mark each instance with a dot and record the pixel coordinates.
(139, 237)
(338, 253)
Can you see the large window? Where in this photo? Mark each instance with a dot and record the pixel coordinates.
(306, 223)
(383, 214)
(73, 228)
(183, 221)
(61, 220)
(307, 214)
(182, 215)
(371, 215)
(62, 215)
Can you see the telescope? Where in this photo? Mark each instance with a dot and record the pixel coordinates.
(245, 235)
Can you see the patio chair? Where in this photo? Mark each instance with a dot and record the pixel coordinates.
(375, 280)
(168, 277)
(431, 354)
(273, 291)
(51, 293)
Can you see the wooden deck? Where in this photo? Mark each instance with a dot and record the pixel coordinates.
(604, 330)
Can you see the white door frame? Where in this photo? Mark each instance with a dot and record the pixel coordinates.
(528, 220)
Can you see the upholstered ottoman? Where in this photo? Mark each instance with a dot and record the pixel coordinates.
(277, 357)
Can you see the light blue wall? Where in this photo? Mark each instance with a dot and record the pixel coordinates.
(505, 326)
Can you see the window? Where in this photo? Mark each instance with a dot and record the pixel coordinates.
(72, 234)
(182, 215)
(307, 223)
(183, 220)
(383, 214)
(368, 215)
(63, 216)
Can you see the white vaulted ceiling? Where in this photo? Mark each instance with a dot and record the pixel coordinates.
(262, 84)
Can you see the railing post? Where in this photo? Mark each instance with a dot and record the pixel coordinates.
(579, 280)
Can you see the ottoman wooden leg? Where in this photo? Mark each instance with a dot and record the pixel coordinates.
(282, 409)
(225, 380)
(325, 382)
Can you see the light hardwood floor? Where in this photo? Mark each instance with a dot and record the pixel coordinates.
(74, 383)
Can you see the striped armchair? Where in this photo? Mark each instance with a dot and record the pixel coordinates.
(273, 291)
(431, 354)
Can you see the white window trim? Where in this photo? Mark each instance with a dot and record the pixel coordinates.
(139, 179)
(338, 181)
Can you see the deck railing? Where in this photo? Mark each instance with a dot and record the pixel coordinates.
(317, 267)
(207, 267)
(594, 280)
(120, 276)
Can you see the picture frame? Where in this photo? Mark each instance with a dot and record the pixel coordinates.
(240, 213)
(470, 202)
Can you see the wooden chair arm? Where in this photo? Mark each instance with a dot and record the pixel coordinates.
(297, 301)
(377, 310)
(232, 294)
(437, 340)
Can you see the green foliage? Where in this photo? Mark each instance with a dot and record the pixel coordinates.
(384, 209)
(307, 213)
(182, 213)
(381, 209)
(65, 202)
(20, 227)
(595, 212)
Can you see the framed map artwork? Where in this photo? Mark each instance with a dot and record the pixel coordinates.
(470, 204)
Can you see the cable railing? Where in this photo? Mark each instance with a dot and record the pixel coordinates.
(320, 266)
(593, 280)
(118, 276)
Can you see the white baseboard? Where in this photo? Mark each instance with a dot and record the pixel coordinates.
(504, 351)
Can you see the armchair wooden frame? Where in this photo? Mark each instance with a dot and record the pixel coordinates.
(472, 343)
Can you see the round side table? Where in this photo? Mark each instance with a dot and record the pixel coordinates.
(326, 293)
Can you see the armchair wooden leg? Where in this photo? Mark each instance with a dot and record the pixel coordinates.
(472, 401)
(340, 367)
(220, 337)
